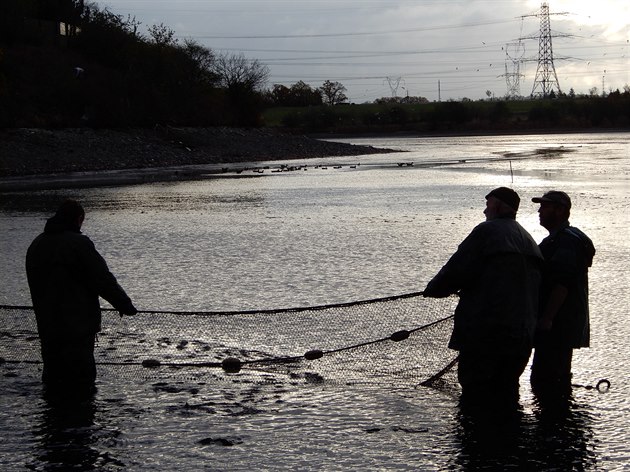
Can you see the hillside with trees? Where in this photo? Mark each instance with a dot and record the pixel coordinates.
(65, 63)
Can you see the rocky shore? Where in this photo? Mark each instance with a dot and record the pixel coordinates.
(39, 152)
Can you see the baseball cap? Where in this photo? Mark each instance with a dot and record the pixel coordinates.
(554, 196)
(507, 196)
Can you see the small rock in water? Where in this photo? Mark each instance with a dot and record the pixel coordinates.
(231, 365)
(220, 441)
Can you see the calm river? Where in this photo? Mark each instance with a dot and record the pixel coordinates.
(339, 230)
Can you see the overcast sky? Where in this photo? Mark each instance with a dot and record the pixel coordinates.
(377, 48)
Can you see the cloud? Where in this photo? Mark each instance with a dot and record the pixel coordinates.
(368, 44)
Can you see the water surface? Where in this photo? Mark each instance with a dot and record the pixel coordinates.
(368, 229)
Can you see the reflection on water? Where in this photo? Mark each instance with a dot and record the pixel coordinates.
(66, 435)
(314, 238)
(565, 439)
(496, 441)
(559, 438)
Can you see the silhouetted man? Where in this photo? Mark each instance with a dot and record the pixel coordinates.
(66, 276)
(496, 272)
(563, 323)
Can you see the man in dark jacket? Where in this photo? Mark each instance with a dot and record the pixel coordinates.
(563, 323)
(66, 276)
(496, 272)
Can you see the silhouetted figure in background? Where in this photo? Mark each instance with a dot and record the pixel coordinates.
(563, 323)
(66, 276)
(496, 271)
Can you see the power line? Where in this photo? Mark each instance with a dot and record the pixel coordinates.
(361, 33)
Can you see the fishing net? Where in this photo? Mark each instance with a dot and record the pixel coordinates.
(395, 340)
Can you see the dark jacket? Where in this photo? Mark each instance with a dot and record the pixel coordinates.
(66, 276)
(568, 254)
(496, 271)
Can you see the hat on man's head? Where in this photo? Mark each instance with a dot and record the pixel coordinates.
(507, 196)
(554, 196)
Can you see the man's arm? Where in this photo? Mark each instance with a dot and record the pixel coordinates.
(460, 268)
(104, 282)
(557, 297)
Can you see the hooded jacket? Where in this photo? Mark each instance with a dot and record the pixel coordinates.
(66, 275)
(496, 271)
(568, 254)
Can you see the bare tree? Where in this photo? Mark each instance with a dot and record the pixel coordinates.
(237, 73)
(333, 93)
(201, 55)
(204, 60)
(162, 35)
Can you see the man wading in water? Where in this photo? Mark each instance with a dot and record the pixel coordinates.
(563, 324)
(66, 276)
(496, 271)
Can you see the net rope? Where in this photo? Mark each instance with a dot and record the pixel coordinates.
(394, 340)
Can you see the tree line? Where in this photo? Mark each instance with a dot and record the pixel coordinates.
(300, 94)
(562, 113)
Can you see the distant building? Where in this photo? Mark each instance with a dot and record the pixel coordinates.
(48, 31)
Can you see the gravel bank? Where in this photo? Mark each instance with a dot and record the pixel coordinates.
(28, 152)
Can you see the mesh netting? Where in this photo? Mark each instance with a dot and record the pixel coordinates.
(401, 339)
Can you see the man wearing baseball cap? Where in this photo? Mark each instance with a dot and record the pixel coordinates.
(496, 271)
(563, 321)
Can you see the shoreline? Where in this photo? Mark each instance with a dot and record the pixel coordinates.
(40, 159)
(122, 177)
(34, 159)
(467, 133)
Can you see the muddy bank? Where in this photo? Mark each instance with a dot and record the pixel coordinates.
(29, 152)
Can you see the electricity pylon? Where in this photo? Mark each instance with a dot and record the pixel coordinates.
(394, 83)
(546, 79)
(514, 54)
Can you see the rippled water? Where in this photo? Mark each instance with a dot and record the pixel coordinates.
(315, 237)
